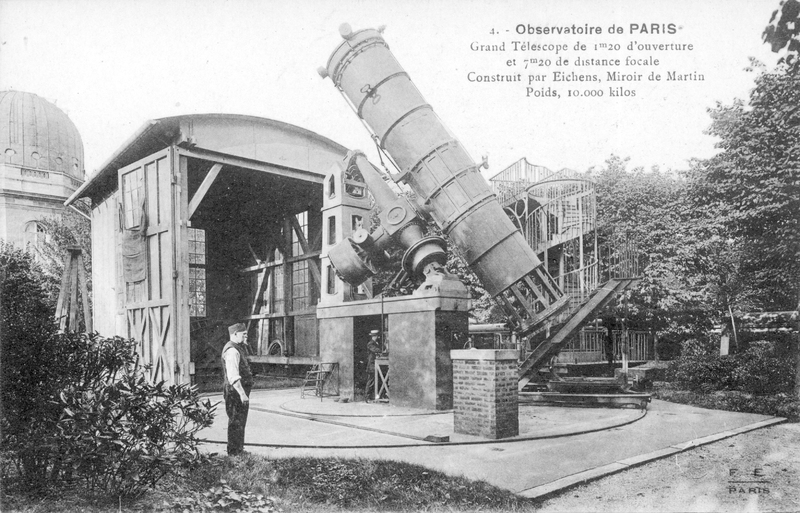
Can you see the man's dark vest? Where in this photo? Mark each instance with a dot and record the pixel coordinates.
(244, 365)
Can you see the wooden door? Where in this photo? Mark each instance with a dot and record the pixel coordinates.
(148, 207)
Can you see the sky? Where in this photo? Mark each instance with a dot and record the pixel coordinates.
(111, 65)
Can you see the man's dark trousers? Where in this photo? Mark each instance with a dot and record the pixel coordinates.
(237, 419)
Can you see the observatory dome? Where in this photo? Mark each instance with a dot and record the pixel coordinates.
(36, 134)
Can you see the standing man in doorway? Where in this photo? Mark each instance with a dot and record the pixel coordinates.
(237, 386)
(373, 348)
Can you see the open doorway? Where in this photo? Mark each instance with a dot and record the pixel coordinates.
(362, 325)
(254, 244)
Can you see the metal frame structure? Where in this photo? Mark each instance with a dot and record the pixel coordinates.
(557, 214)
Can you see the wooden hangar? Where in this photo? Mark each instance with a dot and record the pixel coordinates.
(200, 221)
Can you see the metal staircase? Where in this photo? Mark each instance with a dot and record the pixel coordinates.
(551, 345)
(557, 214)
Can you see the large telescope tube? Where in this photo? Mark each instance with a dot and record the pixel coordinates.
(443, 175)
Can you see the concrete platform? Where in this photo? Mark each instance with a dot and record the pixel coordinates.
(557, 447)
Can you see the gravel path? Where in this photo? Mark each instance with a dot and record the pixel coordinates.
(757, 471)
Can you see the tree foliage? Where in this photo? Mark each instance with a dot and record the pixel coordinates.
(69, 229)
(783, 32)
(26, 323)
(752, 187)
(723, 237)
(636, 204)
(763, 368)
(645, 209)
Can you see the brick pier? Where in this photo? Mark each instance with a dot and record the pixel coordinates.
(485, 392)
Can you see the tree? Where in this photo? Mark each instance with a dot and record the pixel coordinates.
(783, 32)
(26, 323)
(68, 229)
(638, 206)
(753, 185)
(647, 210)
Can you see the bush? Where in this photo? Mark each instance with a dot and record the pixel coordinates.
(120, 433)
(704, 373)
(80, 407)
(106, 425)
(668, 348)
(27, 384)
(762, 369)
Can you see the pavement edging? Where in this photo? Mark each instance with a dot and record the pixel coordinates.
(542, 491)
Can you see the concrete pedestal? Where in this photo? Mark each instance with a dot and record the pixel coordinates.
(421, 333)
(485, 392)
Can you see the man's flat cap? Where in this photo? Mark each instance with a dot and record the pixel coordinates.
(236, 328)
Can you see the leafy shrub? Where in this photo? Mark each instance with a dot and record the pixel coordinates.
(668, 348)
(701, 372)
(761, 369)
(698, 347)
(77, 406)
(106, 425)
(27, 384)
(119, 432)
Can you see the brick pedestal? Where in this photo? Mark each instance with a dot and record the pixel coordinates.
(485, 392)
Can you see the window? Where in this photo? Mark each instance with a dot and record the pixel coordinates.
(132, 195)
(330, 282)
(277, 290)
(35, 235)
(331, 230)
(197, 246)
(301, 291)
(356, 222)
(354, 182)
(197, 272)
(197, 292)
(302, 220)
(332, 187)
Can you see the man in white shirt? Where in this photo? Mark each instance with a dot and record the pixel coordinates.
(237, 386)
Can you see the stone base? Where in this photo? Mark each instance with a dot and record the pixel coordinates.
(644, 373)
(421, 333)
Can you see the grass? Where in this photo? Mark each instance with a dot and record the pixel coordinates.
(255, 483)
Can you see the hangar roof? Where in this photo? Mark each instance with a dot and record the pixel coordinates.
(246, 137)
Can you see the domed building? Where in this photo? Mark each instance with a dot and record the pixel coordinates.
(41, 164)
